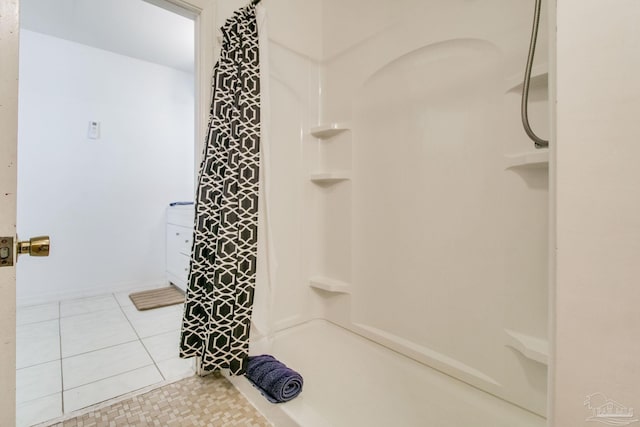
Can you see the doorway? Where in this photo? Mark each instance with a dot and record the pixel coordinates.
(106, 142)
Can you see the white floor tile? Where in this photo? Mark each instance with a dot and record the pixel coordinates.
(93, 331)
(109, 388)
(39, 410)
(177, 368)
(37, 343)
(87, 305)
(38, 381)
(153, 322)
(37, 313)
(102, 355)
(164, 346)
(123, 298)
(100, 364)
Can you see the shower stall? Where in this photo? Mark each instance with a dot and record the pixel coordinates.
(404, 262)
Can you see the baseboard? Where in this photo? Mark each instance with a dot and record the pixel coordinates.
(65, 294)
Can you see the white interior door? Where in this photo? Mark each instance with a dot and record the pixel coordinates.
(8, 149)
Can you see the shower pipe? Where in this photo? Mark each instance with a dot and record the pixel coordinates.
(539, 142)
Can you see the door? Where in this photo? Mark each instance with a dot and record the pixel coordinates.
(9, 43)
(8, 149)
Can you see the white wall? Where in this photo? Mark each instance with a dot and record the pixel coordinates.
(598, 208)
(448, 247)
(293, 24)
(101, 201)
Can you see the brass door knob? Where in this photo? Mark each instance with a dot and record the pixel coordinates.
(36, 246)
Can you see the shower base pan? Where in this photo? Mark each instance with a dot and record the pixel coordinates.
(350, 381)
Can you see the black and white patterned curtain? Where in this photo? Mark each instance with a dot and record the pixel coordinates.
(219, 299)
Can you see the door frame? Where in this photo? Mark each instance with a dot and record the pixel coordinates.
(203, 13)
(9, 43)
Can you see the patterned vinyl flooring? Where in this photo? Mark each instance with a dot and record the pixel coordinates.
(191, 402)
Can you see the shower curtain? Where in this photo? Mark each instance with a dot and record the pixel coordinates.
(220, 292)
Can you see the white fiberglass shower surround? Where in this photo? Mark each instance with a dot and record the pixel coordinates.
(407, 212)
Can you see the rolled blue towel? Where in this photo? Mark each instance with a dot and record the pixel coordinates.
(276, 382)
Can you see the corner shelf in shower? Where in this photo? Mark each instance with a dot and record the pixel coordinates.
(533, 348)
(329, 285)
(539, 78)
(528, 159)
(329, 177)
(329, 130)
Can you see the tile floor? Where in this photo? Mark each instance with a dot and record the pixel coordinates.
(194, 401)
(76, 353)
